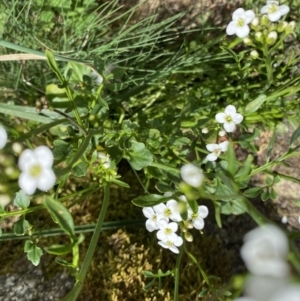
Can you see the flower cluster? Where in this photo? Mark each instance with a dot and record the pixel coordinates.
(264, 252)
(166, 217)
(229, 118)
(265, 29)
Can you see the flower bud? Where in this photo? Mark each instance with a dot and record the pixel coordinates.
(248, 41)
(282, 26)
(290, 27)
(222, 133)
(188, 236)
(259, 36)
(254, 54)
(265, 21)
(271, 38)
(204, 130)
(255, 22)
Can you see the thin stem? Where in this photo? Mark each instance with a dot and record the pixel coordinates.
(176, 273)
(74, 293)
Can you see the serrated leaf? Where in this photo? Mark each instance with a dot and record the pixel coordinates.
(254, 105)
(80, 169)
(149, 200)
(21, 226)
(34, 253)
(139, 156)
(21, 200)
(295, 136)
(61, 215)
(252, 192)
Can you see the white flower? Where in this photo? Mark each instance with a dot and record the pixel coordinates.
(204, 130)
(274, 11)
(167, 231)
(168, 210)
(265, 250)
(197, 218)
(216, 150)
(284, 219)
(192, 175)
(290, 293)
(172, 244)
(36, 167)
(230, 118)
(239, 23)
(151, 222)
(3, 137)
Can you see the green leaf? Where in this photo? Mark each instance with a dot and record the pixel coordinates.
(116, 86)
(21, 226)
(230, 52)
(244, 172)
(149, 200)
(269, 181)
(78, 70)
(59, 249)
(21, 200)
(61, 149)
(61, 215)
(276, 179)
(231, 159)
(149, 285)
(254, 105)
(139, 156)
(295, 136)
(64, 263)
(34, 253)
(273, 194)
(265, 195)
(53, 66)
(80, 169)
(252, 192)
(163, 187)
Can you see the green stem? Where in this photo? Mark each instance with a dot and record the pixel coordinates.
(74, 293)
(198, 266)
(176, 273)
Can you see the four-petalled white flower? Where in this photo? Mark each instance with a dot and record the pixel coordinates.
(151, 222)
(229, 118)
(197, 218)
(216, 150)
(3, 137)
(274, 10)
(36, 167)
(168, 211)
(167, 231)
(239, 23)
(172, 244)
(192, 175)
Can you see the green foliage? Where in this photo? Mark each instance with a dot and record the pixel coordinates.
(34, 253)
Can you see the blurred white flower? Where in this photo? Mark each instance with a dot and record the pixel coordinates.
(172, 244)
(222, 133)
(264, 251)
(284, 219)
(239, 23)
(104, 159)
(197, 218)
(192, 175)
(204, 130)
(288, 293)
(230, 118)
(216, 150)
(3, 137)
(274, 10)
(151, 222)
(167, 230)
(170, 210)
(36, 167)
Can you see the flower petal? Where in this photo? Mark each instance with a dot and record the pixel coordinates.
(46, 180)
(27, 183)
(211, 157)
(230, 110)
(192, 175)
(249, 16)
(151, 225)
(229, 127)
(3, 137)
(243, 31)
(284, 9)
(160, 208)
(237, 118)
(224, 146)
(173, 226)
(198, 223)
(238, 13)
(264, 9)
(273, 17)
(202, 211)
(148, 212)
(178, 242)
(220, 117)
(212, 147)
(26, 160)
(231, 28)
(44, 156)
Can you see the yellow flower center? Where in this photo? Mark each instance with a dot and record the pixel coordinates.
(168, 212)
(240, 22)
(273, 8)
(228, 118)
(168, 231)
(35, 170)
(194, 216)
